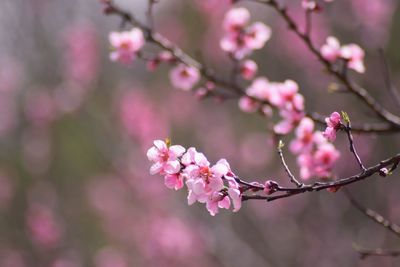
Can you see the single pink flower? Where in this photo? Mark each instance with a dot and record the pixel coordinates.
(235, 19)
(355, 56)
(324, 159)
(304, 137)
(248, 69)
(217, 200)
(257, 35)
(126, 45)
(196, 191)
(165, 158)
(184, 77)
(261, 89)
(333, 125)
(248, 104)
(331, 50)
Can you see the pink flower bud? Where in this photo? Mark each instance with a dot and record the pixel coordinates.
(270, 187)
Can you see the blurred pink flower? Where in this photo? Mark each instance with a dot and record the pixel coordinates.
(235, 19)
(248, 69)
(81, 59)
(184, 77)
(43, 226)
(126, 44)
(248, 104)
(304, 136)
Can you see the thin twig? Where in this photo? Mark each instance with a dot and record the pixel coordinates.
(347, 129)
(289, 173)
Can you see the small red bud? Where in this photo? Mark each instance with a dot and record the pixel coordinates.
(270, 187)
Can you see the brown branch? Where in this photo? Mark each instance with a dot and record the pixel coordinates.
(360, 92)
(364, 253)
(347, 129)
(318, 186)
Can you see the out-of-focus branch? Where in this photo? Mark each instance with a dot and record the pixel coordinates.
(388, 81)
(209, 74)
(373, 215)
(352, 87)
(364, 253)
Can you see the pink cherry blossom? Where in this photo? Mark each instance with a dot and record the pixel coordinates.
(173, 181)
(236, 197)
(217, 200)
(324, 159)
(257, 35)
(213, 185)
(165, 158)
(261, 89)
(333, 124)
(239, 39)
(126, 45)
(184, 77)
(248, 104)
(352, 53)
(248, 69)
(331, 50)
(236, 18)
(304, 136)
(355, 56)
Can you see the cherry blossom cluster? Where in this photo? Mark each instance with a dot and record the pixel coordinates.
(240, 39)
(352, 54)
(283, 96)
(315, 155)
(213, 185)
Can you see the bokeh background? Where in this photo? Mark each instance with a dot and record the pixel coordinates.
(74, 130)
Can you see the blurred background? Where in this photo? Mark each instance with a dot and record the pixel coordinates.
(75, 188)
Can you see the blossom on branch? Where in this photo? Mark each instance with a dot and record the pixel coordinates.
(184, 77)
(215, 185)
(239, 39)
(353, 54)
(126, 45)
(333, 125)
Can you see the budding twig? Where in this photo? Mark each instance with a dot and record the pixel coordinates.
(347, 129)
(364, 253)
